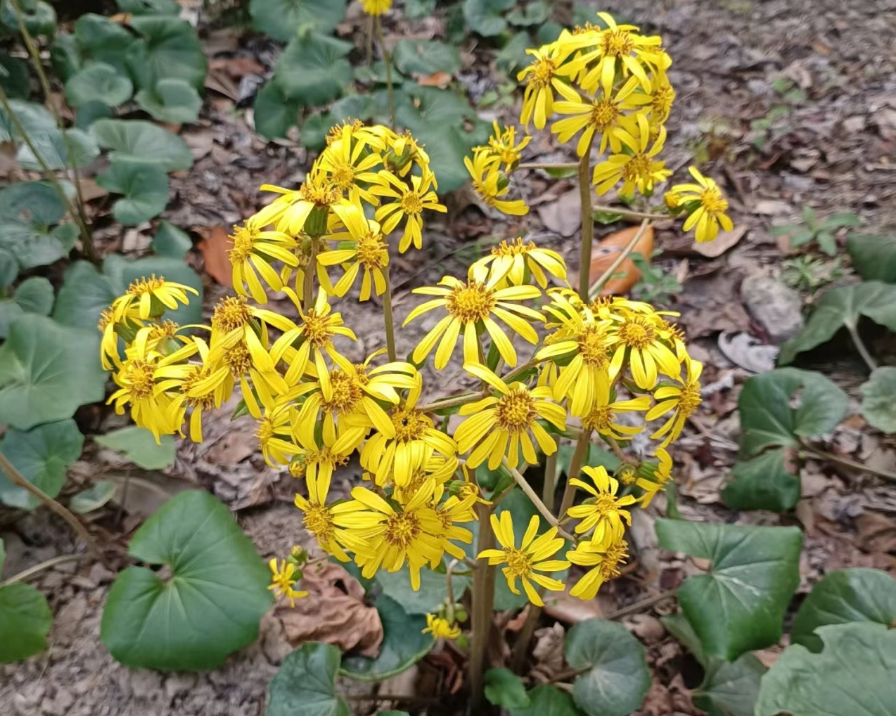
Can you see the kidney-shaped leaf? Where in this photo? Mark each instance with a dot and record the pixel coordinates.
(42, 455)
(281, 19)
(140, 447)
(306, 684)
(425, 57)
(841, 308)
(874, 257)
(25, 620)
(168, 49)
(740, 604)
(848, 595)
(47, 371)
(27, 212)
(730, 688)
(174, 101)
(853, 675)
(879, 399)
(617, 679)
(98, 82)
(84, 294)
(313, 69)
(33, 295)
(144, 187)
(210, 604)
(504, 688)
(136, 139)
(764, 482)
(171, 241)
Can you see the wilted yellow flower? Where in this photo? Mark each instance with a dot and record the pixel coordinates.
(504, 148)
(253, 251)
(659, 476)
(408, 205)
(604, 511)
(511, 259)
(282, 581)
(682, 399)
(441, 628)
(149, 298)
(638, 171)
(490, 183)
(317, 518)
(709, 206)
(604, 561)
(526, 561)
(663, 97)
(316, 460)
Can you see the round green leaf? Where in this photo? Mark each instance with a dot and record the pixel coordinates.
(739, 605)
(209, 606)
(42, 455)
(39, 17)
(281, 19)
(485, 17)
(89, 113)
(618, 678)
(35, 119)
(136, 139)
(767, 418)
(149, 7)
(98, 82)
(763, 483)
(730, 688)
(9, 268)
(27, 210)
(174, 101)
(85, 293)
(546, 700)
(139, 446)
(404, 644)
(504, 688)
(853, 675)
(842, 307)
(306, 684)
(418, 9)
(535, 13)
(313, 69)
(274, 114)
(25, 620)
(98, 39)
(144, 186)
(122, 272)
(14, 77)
(845, 596)
(879, 399)
(47, 371)
(874, 257)
(168, 49)
(93, 498)
(315, 128)
(425, 57)
(170, 241)
(64, 55)
(33, 295)
(58, 149)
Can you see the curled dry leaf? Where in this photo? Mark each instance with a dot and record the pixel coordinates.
(334, 612)
(215, 248)
(627, 275)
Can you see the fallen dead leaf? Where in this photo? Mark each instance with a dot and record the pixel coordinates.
(563, 215)
(724, 241)
(334, 612)
(90, 190)
(571, 610)
(608, 251)
(436, 79)
(237, 67)
(877, 533)
(748, 352)
(215, 248)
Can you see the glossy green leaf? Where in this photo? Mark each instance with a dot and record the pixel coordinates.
(404, 644)
(210, 604)
(167, 49)
(149, 7)
(486, 17)
(313, 69)
(173, 100)
(874, 257)
(305, 685)
(171, 241)
(47, 371)
(144, 187)
(879, 399)
(547, 700)
(139, 446)
(739, 604)
(679, 627)
(730, 688)
(136, 139)
(39, 17)
(425, 57)
(93, 498)
(504, 688)
(25, 620)
(33, 295)
(42, 456)
(618, 678)
(842, 597)
(274, 114)
(98, 82)
(767, 418)
(841, 308)
(28, 211)
(763, 483)
(853, 675)
(281, 19)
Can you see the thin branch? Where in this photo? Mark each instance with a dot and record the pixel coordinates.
(628, 212)
(536, 500)
(583, 445)
(587, 218)
(642, 605)
(605, 276)
(450, 402)
(37, 568)
(548, 165)
(851, 464)
(861, 347)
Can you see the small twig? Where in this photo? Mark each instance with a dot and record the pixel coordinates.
(587, 219)
(450, 402)
(641, 605)
(31, 571)
(628, 212)
(605, 276)
(861, 347)
(536, 500)
(548, 165)
(851, 464)
(568, 674)
(583, 445)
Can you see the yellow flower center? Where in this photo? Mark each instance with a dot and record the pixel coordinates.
(317, 330)
(372, 251)
(604, 114)
(712, 200)
(411, 203)
(319, 522)
(663, 97)
(513, 248)
(605, 504)
(593, 348)
(598, 419)
(298, 466)
(238, 360)
(319, 192)
(519, 564)
(615, 555)
(637, 167)
(616, 43)
(515, 412)
(343, 176)
(165, 329)
(140, 379)
(206, 401)
(146, 285)
(243, 238)
(471, 302)
(542, 72)
(265, 430)
(231, 313)
(401, 529)
(346, 394)
(690, 398)
(627, 475)
(637, 332)
(409, 424)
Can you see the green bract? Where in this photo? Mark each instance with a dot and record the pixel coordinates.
(139, 446)
(144, 186)
(210, 604)
(42, 455)
(879, 399)
(135, 139)
(281, 19)
(306, 684)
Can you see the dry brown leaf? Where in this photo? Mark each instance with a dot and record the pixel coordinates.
(570, 610)
(237, 67)
(877, 533)
(724, 241)
(608, 251)
(436, 79)
(334, 612)
(562, 216)
(215, 248)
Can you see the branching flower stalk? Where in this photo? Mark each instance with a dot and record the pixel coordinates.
(545, 361)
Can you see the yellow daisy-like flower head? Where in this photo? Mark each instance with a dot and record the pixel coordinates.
(538, 98)
(404, 153)
(349, 160)
(149, 298)
(643, 341)
(366, 251)
(441, 628)
(706, 205)
(638, 171)
(681, 399)
(283, 579)
(602, 416)
(252, 254)
(663, 97)
(317, 518)
(529, 559)
(500, 426)
(317, 460)
(274, 433)
(504, 147)
(634, 53)
(603, 512)
(604, 561)
(490, 183)
(408, 204)
(658, 476)
(515, 261)
(470, 305)
(305, 210)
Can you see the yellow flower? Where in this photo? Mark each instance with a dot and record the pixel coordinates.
(404, 153)
(415, 440)
(149, 298)
(709, 206)
(682, 399)
(504, 148)
(672, 199)
(471, 305)
(638, 171)
(348, 161)
(282, 581)
(623, 43)
(491, 184)
(529, 559)
(663, 97)
(455, 509)
(274, 434)
(409, 203)
(376, 7)
(253, 251)
(316, 462)
(368, 251)
(511, 260)
(538, 98)
(306, 209)
(642, 339)
(441, 628)
(317, 518)
(659, 476)
(604, 561)
(604, 510)
(601, 417)
(608, 115)
(499, 426)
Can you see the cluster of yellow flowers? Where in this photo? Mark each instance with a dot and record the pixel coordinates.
(609, 86)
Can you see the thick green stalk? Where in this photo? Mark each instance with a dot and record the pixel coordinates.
(481, 612)
(575, 467)
(587, 224)
(308, 298)
(387, 316)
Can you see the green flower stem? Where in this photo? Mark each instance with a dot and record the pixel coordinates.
(587, 222)
(550, 481)
(17, 479)
(472, 397)
(481, 612)
(575, 467)
(536, 500)
(378, 23)
(549, 165)
(861, 347)
(606, 275)
(37, 568)
(629, 212)
(814, 452)
(387, 316)
(308, 298)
